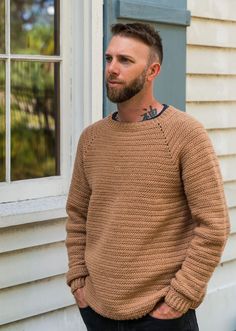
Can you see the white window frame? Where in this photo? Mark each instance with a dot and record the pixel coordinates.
(81, 85)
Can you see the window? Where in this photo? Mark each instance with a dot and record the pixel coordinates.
(29, 71)
(34, 158)
(50, 89)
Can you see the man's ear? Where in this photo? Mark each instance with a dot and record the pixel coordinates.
(153, 71)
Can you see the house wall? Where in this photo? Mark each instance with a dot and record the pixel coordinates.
(211, 98)
(33, 262)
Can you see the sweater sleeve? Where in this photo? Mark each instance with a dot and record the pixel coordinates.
(76, 208)
(203, 188)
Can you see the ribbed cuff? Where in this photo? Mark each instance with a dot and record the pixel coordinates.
(77, 283)
(177, 301)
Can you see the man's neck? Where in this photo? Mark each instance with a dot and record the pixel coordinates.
(138, 111)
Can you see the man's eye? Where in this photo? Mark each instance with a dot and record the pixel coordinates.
(108, 59)
(124, 60)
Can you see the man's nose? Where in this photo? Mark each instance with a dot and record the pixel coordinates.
(113, 68)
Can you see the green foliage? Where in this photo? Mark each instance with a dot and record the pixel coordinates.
(31, 155)
(33, 120)
(2, 26)
(33, 112)
(38, 37)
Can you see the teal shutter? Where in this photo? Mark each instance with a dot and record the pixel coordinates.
(170, 17)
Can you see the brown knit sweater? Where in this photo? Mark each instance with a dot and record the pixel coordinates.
(147, 217)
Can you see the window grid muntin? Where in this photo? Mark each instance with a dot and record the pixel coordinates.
(2, 120)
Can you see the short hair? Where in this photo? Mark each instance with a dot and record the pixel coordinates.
(141, 31)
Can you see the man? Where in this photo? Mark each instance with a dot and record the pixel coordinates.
(147, 218)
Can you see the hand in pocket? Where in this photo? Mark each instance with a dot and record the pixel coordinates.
(163, 311)
(80, 298)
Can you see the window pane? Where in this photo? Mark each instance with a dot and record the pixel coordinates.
(2, 121)
(35, 27)
(2, 26)
(34, 120)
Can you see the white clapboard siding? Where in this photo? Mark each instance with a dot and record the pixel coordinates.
(224, 142)
(230, 192)
(211, 98)
(218, 9)
(32, 264)
(232, 215)
(214, 115)
(211, 88)
(67, 319)
(207, 32)
(30, 235)
(218, 310)
(228, 166)
(224, 273)
(211, 60)
(35, 298)
(229, 253)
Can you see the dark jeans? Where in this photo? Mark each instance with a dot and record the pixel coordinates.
(96, 322)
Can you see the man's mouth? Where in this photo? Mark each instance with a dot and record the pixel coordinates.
(114, 82)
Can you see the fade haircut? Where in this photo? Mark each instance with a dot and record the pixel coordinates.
(143, 32)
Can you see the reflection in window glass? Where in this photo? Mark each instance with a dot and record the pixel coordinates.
(34, 120)
(2, 26)
(35, 27)
(2, 121)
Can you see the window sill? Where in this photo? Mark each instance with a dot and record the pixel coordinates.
(30, 211)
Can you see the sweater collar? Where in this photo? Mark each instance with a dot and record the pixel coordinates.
(136, 126)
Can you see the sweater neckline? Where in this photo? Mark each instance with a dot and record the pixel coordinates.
(149, 119)
(142, 125)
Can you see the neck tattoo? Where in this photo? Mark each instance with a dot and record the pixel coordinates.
(149, 114)
(152, 112)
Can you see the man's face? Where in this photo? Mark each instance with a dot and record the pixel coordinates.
(126, 68)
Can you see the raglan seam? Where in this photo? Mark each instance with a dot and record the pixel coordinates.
(87, 143)
(168, 146)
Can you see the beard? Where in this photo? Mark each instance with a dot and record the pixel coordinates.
(126, 92)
